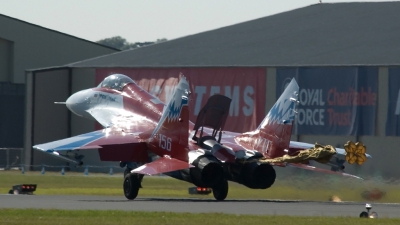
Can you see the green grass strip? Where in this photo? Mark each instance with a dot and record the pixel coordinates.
(92, 217)
(313, 188)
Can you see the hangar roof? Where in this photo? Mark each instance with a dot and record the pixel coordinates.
(55, 31)
(327, 34)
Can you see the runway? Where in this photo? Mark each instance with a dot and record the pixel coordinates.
(250, 207)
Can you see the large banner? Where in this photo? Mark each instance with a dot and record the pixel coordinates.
(333, 101)
(393, 120)
(245, 86)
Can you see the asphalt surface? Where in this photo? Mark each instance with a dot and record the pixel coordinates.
(251, 207)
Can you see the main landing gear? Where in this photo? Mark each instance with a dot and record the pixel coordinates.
(132, 181)
(131, 185)
(220, 191)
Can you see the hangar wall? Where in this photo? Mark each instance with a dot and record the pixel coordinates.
(6, 59)
(11, 114)
(33, 46)
(49, 121)
(26, 46)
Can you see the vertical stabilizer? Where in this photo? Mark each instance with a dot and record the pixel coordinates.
(170, 137)
(272, 136)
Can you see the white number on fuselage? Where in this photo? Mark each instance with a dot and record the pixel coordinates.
(164, 142)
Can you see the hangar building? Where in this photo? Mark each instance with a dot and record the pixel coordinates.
(345, 57)
(24, 46)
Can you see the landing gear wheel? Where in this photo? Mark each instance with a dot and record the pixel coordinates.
(373, 215)
(131, 186)
(364, 215)
(220, 191)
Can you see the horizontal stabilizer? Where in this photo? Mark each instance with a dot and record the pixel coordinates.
(312, 168)
(162, 165)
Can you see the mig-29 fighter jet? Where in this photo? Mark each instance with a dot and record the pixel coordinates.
(138, 128)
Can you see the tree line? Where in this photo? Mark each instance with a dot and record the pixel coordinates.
(122, 44)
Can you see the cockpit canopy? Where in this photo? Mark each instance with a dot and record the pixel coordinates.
(116, 82)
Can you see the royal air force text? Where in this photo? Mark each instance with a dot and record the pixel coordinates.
(336, 106)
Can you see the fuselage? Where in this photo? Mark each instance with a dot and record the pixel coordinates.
(114, 107)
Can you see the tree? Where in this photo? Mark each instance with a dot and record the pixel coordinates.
(136, 45)
(161, 40)
(122, 44)
(114, 42)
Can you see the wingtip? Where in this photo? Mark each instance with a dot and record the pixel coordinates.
(37, 148)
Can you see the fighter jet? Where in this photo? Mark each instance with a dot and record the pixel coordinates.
(149, 137)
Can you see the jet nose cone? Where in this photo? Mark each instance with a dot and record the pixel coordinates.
(72, 103)
(76, 103)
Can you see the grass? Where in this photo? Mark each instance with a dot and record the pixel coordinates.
(313, 188)
(92, 217)
(318, 188)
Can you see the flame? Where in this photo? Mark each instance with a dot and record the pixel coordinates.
(355, 152)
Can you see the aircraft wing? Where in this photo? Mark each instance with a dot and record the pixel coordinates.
(97, 139)
(162, 165)
(117, 117)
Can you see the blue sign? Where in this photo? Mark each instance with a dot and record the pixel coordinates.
(393, 120)
(334, 100)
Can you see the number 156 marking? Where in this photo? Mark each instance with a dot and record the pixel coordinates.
(164, 142)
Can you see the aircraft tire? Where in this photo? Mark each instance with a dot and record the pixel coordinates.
(131, 186)
(364, 214)
(220, 191)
